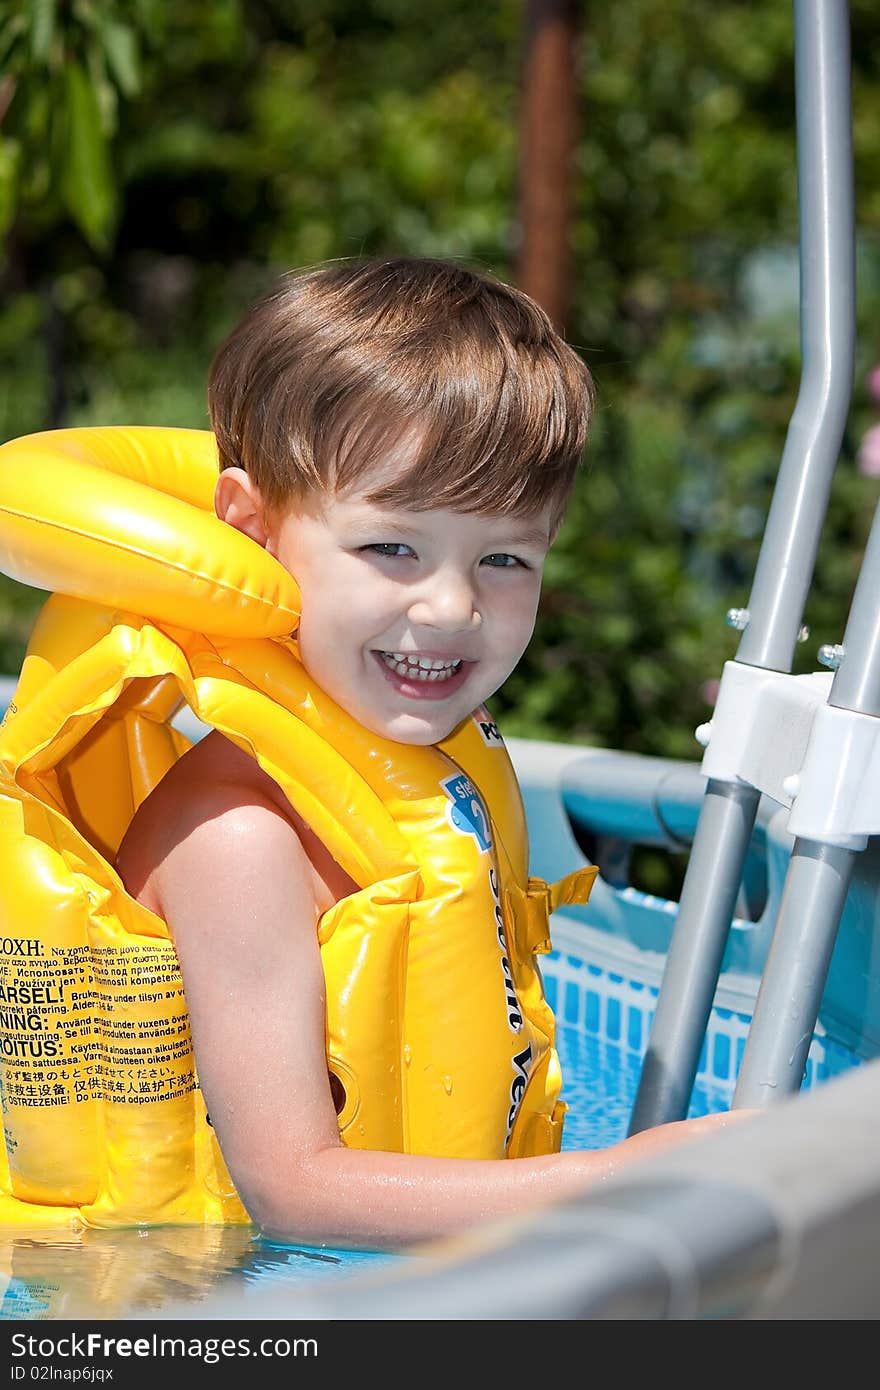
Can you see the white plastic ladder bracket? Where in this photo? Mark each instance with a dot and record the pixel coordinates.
(776, 732)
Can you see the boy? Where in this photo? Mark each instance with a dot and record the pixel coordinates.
(403, 437)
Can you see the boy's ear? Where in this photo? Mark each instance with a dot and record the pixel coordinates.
(237, 501)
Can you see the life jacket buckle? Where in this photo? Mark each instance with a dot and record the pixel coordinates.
(541, 899)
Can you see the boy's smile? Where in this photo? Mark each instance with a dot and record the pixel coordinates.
(410, 620)
(423, 677)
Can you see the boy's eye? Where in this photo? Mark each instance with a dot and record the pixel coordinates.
(391, 549)
(499, 559)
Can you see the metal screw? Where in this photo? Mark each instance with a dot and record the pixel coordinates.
(831, 655)
(738, 618)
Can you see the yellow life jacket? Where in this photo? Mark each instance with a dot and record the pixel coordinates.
(437, 1026)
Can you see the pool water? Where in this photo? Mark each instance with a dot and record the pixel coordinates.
(603, 1019)
(600, 1087)
(600, 1039)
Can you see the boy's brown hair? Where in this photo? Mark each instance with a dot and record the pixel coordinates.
(341, 363)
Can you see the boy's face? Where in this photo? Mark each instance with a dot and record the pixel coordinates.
(410, 620)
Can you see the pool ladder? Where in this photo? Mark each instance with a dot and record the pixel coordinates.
(812, 743)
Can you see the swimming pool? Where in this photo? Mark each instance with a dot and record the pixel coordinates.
(602, 980)
(604, 1009)
(604, 1014)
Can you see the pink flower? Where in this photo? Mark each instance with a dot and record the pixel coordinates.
(868, 458)
(709, 691)
(872, 382)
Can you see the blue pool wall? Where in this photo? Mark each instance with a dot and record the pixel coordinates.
(626, 932)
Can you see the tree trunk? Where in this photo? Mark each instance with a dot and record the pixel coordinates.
(548, 131)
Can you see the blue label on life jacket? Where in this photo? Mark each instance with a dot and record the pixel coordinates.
(467, 814)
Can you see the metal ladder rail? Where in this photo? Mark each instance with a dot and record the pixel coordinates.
(843, 757)
(788, 549)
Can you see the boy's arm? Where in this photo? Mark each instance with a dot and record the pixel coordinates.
(237, 891)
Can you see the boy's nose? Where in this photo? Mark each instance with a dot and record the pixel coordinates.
(447, 603)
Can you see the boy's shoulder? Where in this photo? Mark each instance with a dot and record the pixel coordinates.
(213, 806)
(211, 781)
(214, 771)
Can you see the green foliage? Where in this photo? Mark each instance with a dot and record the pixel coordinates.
(64, 67)
(161, 163)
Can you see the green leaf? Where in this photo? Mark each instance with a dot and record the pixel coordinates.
(10, 159)
(87, 186)
(12, 44)
(42, 28)
(151, 17)
(86, 13)
(120, 46)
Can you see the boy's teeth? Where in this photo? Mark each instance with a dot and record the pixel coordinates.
(422, 668)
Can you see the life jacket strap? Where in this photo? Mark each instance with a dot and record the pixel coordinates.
(531, 909)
